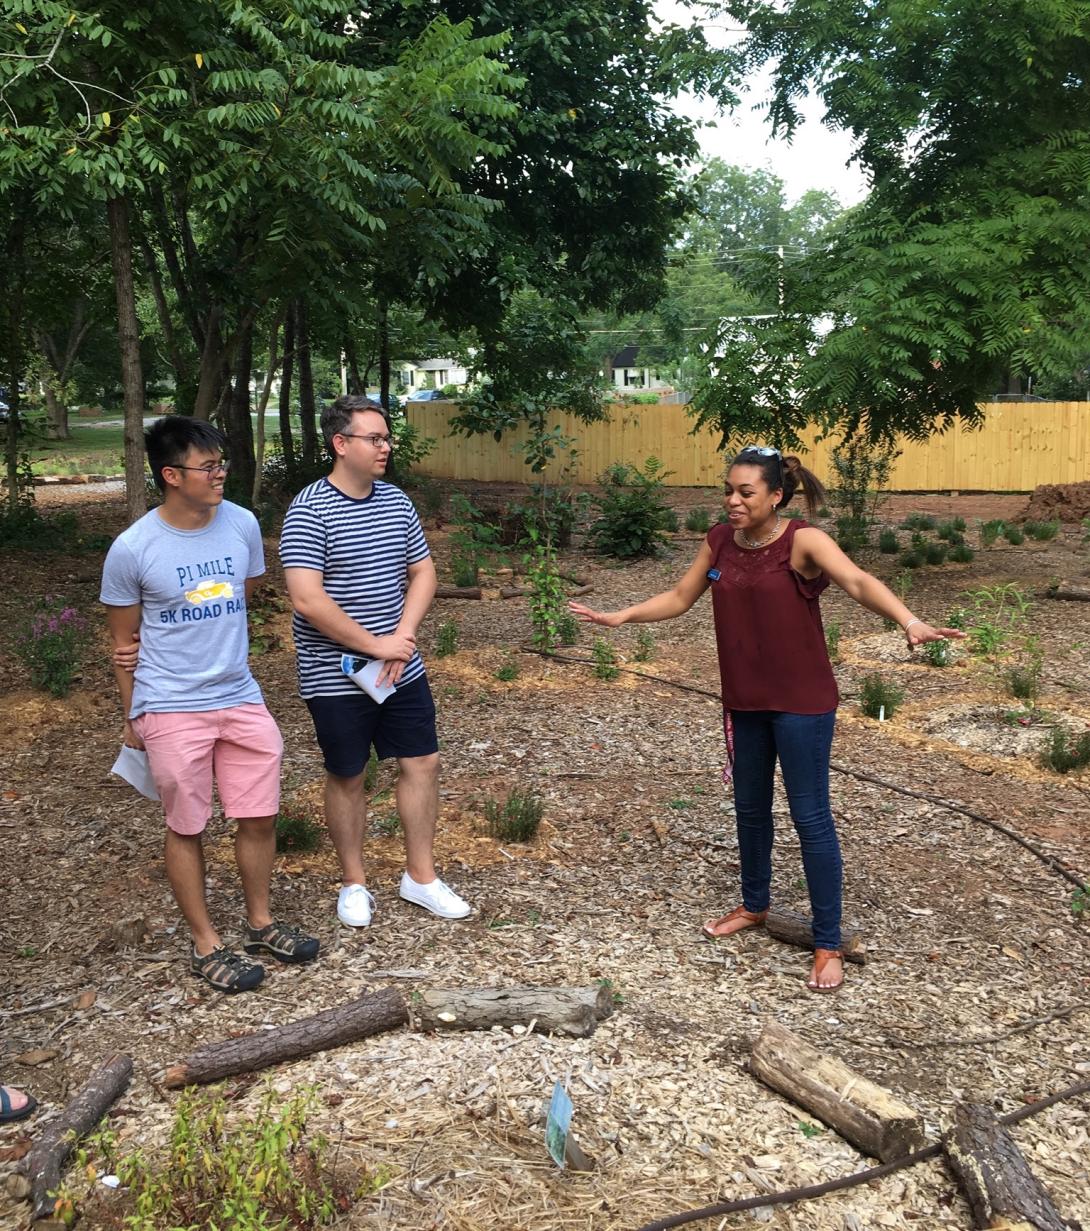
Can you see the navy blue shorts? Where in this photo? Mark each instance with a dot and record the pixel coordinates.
(402, 726)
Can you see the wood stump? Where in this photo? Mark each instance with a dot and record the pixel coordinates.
(795, 929)
(873, 1119)
(1001, 1189)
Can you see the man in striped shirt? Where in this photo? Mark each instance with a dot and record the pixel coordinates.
(361, 580)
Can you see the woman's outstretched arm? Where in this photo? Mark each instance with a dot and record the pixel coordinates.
(664, 606)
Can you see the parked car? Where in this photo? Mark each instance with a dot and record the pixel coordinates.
(427, 395)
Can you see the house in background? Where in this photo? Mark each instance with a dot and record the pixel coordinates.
(635, 367)
(417, 374)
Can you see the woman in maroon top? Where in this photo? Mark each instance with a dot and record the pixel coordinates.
(779, 693)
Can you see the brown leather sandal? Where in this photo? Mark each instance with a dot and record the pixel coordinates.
(735, 921)
(822, 958)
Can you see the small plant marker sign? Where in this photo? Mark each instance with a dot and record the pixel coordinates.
(558, 1125)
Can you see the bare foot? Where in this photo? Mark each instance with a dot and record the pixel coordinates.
(734, 921)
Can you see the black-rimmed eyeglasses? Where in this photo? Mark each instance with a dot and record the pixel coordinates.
(209, 471)
(373, 439)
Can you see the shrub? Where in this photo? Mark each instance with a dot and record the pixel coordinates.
(409, 446)
(1014, 536)
(990, 531)
(698, 521)
(888, 542)
(567, 628)
(463, 571)
(370, 772)
(517, 819)
(1063, 753)
(632, 514)
(937, 653)
(446, 639)
(910, 559)
(961, 553)
(670, 522)
(935, 553)
(852, 534)
(1023, 678)
(1042, 531)
(550, 511)
(879, 697)
(279, 481)
(998, 611)
(832, 640)
(645, 645)
(52, 644)
(547, 603)
(724, 518)
(860, 472)
(605, 659)
(507, 671)
(297, 834)
(474, 540)
(919, 521)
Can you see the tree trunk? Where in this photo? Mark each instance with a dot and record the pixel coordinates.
(568, 1010)
(211, 380)
(794, 929)
(871, 1118)
(182, 288)
(239, 427)
(995, 1177)
(132, 374)
(56, 1141)
(347, 1023)
(185, 393)
(12, 284)
(384, 355)
(287, 441)
(355, 383)
(263, 404)
(308, 408)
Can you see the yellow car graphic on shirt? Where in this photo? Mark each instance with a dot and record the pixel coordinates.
(208, 590)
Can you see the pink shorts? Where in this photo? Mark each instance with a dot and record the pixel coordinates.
(241, 746)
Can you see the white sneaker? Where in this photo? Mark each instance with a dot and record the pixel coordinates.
(436, 896)
(355, 906)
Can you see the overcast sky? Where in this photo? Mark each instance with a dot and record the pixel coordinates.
(816, 158)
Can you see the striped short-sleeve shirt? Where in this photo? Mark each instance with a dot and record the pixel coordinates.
(363, 549)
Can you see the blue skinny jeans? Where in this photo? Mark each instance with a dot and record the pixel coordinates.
(803, 743)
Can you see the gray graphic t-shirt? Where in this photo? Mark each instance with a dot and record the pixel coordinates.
(191, 585)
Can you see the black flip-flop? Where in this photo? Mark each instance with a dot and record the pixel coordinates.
(8, 1114)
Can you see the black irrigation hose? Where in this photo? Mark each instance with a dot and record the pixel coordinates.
(809, 1191)
(948, 805)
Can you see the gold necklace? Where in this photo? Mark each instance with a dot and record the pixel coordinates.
(767, 539)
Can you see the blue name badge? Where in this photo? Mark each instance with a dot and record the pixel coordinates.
(714, 574)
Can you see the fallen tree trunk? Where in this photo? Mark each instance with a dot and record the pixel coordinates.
(1079, 592)
(51, 1150)
(370, 1014)
(795, 929)
(569, 1010)
(458, 592)
(870, 1117)
(995, 1177)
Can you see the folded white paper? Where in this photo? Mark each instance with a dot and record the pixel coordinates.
(132, 765)
(364, 674)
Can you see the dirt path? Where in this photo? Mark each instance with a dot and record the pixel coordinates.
(972, 939)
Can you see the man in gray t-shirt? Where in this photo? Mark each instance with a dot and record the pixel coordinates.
(178, 582)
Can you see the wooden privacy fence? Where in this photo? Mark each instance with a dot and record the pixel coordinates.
(1019, 446)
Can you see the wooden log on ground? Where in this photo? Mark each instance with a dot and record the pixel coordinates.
(1001, 1189)
(1075, 590)
(870, 1117)
(567, 1010)
(50, 1151)
(370, 1014)
(458, 592)
(522, 591)
(795, 929)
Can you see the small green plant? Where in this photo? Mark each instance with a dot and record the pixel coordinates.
(998, 611)
(888, 542)
(219, 1171)
(547, 601)
(1080, 902)
(670, 521)
(507, 671)
(901, 585)
(463, 571)
(446, 639)
(1014, 535)
(633, 516)
(387, 826)
(297, 833)
(852, 535)
(958, 618)
(935, 553)
(679, 805)
(860, 473)
(645, 645)
(52, 644)
(990, 531)
(475, 540)
(1041, 531)
(961, 553)
(567, 628)
(832, 640)
(616, 995)
(605, 659)
(879, 697)
(698, 521)
(1063, 753)
(937, 653)
(370, 772)
(809, 1130)
(950, 531)
(1023, 679)
(919, 521)
(517, 819)
(724, 518)
(910, 559)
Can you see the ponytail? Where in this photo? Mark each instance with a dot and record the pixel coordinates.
(797, 478)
